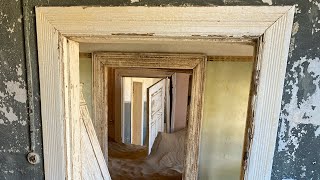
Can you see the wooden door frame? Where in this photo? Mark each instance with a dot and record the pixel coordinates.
(61, 29)
(119, 73)
(162, 64)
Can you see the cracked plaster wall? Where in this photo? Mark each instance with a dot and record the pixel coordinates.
(298, 141)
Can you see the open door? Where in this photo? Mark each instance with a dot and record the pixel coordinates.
(92, 161)
(156, 110)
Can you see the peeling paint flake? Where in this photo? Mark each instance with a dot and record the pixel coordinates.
(14, 88)
(309, 111)
(9, 114)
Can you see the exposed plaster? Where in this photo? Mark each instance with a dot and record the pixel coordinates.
(267, 1)
(15, 89)
(305, 94)
(9, 114)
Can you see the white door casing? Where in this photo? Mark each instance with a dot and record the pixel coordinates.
(60, 29)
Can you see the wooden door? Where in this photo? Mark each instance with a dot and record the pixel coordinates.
(93, 164)
(156, 110)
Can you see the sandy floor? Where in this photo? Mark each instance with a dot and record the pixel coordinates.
(164, 162)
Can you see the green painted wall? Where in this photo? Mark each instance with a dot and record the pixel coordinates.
(85, 65)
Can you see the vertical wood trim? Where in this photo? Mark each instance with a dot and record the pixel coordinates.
(98, 96)
(100, 107)
(68, 138)
(118, 109)
(50, 60)
(105, 113)
(194, 124)
(136, 118)
(168, 106)
(250, 111)
(272, 62)
(74, 84)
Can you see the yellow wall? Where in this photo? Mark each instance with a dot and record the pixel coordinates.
(225, 110)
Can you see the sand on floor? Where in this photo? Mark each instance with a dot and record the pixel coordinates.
(164, 162)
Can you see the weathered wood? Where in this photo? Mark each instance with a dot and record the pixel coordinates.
(100, 24)
(271, 67)
(101, 59)
(93, 163)
(148, 60)
(195, 118)
(156, 111)
(231, 58)
(137, 114)
(168, 105)
(159, 21)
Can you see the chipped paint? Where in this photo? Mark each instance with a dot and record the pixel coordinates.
(298, 139)
(305, 94)
(14, 89)
(8, 114)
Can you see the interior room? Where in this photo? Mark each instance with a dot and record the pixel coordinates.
(253, 105)
(227, 93)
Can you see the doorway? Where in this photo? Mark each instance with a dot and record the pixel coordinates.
(58, 42)
(106, 79)
(154, 125)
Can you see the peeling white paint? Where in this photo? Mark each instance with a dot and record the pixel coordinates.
(296, 111)
(306, 105)
(295, 28)
(9, 114)
(11, 30)
(19, 70)
(13, 88)
(267, 1)
(2, 94)
(317, 132)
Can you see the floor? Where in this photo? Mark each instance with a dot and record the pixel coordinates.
(128, 162)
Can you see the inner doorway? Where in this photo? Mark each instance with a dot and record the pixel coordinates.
(154, 123)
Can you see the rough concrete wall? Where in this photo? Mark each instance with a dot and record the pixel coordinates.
(14, 126)
(297, 150)
(296, 154)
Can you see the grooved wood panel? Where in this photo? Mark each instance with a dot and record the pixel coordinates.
(272, 62)
(169, 21)
(52, 105)
(74, 101)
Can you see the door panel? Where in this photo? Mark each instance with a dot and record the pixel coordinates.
(93, 164)
(156, 110)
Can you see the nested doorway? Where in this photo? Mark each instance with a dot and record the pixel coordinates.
(58, 43)
(194, 63)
